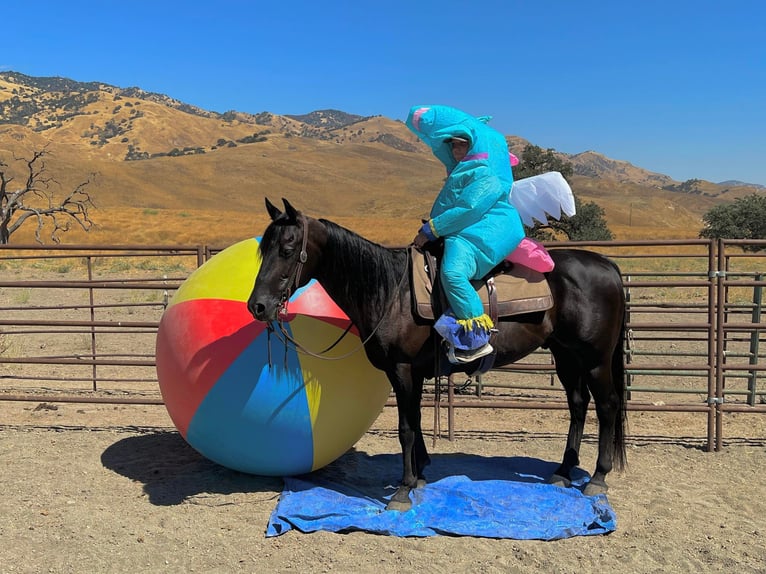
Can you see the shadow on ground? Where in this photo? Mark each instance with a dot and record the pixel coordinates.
(172, 472)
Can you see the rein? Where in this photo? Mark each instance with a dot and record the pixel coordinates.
(286, 338)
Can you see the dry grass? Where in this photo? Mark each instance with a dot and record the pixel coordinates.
(151, 226)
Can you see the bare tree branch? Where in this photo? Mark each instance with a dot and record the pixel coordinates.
(35, 201)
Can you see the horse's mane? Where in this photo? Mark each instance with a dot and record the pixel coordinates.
(377, 269)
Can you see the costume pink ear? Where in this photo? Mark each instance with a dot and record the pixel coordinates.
(416, 117)
(514, 159)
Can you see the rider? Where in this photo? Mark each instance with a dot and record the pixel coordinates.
(473, 214)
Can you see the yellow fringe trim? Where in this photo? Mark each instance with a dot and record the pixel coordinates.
(482, 322)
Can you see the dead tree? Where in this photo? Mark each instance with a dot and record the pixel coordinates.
(35, 201)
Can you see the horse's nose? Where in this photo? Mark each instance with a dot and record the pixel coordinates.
(257, 310)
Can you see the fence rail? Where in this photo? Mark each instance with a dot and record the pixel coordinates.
(78, 324)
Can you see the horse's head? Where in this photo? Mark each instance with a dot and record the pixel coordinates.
(283, 250)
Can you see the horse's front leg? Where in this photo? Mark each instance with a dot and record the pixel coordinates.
(415, 457)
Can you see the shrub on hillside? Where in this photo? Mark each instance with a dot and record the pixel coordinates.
(745, 218)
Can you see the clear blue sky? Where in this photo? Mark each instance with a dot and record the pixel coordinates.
(673, 86)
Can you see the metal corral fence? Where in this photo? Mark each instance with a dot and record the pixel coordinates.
(79, 323)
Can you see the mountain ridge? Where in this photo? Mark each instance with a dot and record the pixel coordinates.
(156, 152)
(320, 124)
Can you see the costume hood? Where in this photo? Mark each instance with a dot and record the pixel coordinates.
(434, 125)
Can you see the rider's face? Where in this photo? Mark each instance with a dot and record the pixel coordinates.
(459, 149)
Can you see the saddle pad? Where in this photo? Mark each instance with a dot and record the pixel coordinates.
(519, 290)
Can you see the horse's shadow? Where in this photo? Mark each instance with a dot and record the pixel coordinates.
(172, 471)
(358, 473)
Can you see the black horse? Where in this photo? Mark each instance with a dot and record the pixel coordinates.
(584, 330)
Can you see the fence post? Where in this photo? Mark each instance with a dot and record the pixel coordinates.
(628, 350)
(720, 291)
(754, 340)
(91, 301)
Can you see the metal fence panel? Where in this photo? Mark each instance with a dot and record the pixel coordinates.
(78, 323)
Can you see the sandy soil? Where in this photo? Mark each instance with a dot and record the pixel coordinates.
(95, 488)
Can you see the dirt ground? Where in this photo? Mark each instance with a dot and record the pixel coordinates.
(97, 488)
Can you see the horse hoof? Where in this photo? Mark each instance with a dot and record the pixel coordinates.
(594, 488)
(421, 483)
(558, 480)
(400, 500)
(398, 505)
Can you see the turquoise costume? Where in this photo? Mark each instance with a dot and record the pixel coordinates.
(472, 213)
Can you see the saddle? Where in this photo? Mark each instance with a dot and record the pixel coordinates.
(510, 289)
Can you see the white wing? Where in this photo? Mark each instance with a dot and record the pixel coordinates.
(541, 195)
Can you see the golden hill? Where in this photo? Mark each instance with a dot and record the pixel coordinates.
(168, 172)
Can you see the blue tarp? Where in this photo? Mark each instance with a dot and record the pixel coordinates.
(491, 497)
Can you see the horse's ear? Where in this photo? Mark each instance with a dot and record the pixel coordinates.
(273, 210)
(291, 212)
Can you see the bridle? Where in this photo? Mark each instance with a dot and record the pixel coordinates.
(296, 278)
(287, 293)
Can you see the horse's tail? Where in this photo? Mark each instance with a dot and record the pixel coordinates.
(618, 377)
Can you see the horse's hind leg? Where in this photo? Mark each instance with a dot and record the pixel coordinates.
(569, 371)
(581, 383)
(608, 411)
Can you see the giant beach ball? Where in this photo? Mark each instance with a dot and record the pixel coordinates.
(242, 398)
